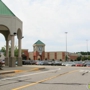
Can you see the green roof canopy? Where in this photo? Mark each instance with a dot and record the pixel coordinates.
(39, 42)
(4, 10)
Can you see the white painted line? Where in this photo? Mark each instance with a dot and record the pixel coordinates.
(30, 74)
(84, 71)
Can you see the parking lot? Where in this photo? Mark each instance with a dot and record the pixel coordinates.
(50, 78)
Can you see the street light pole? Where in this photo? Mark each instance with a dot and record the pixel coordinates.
(87, 49)
(66, 46)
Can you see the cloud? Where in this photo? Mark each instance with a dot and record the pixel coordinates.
(48, 20)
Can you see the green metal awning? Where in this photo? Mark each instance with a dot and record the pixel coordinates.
(39, 42)
(4, 10)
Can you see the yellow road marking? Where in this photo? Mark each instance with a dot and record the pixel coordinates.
(21, 71)
(31, 84)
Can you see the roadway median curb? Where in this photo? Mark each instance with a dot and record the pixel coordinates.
(11, 71)
(18, 71)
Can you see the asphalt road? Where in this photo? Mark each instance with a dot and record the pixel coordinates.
(51, 78)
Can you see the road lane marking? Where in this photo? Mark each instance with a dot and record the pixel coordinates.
(29, 74)
(31, 84)
(84, 70)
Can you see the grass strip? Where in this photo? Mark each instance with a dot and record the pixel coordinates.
(89, 86)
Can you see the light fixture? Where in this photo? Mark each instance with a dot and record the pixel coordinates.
(14, 33)
(22, 36)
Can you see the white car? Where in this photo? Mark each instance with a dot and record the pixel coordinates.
(68, 64)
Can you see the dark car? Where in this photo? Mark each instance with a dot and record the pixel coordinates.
(87, 64)
(23, 62)
(27, 62)
(32, 62)
(3, 61)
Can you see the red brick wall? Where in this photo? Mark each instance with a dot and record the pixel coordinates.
(48, 56)
(73, 57)
(43, 55)
(63, 55)
(25, 51)
(36, 54)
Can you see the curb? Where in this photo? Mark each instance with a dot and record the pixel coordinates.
(35, 69)
(18, 71)
(7, 72)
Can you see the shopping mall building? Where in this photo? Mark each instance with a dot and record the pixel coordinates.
(39, 53)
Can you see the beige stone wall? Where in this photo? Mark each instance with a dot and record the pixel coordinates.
(13, 23)
(52, 55)
(59, 55)
(31, 55)
(36, 47)
(46, 55)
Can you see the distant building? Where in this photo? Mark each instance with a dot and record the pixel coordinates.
(39, 53)
(25, 54)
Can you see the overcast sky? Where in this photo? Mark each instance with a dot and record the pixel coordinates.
(48, 20)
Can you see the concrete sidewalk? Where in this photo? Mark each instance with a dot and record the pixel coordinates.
(18, 69)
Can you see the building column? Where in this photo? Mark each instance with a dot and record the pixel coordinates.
(19, 53)
(7, 53)
(12, 58)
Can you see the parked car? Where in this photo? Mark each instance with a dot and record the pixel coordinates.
(32, 62)
(87, 64)
(45, 62)
(3, 61)
(23, 62)
(50, 62)
(38, 62)
(27, 62)
(56, 62)
(16, 62)
(79, 64)
(70, 64)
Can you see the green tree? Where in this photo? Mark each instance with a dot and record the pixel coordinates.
(83, 58)
(16, 51)
(79, 58)
(3, 49)
(88, 57)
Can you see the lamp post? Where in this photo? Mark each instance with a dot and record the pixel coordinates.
(66, 46)
(87, 48)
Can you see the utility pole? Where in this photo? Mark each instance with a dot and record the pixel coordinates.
(87, 48)
(66, 46)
